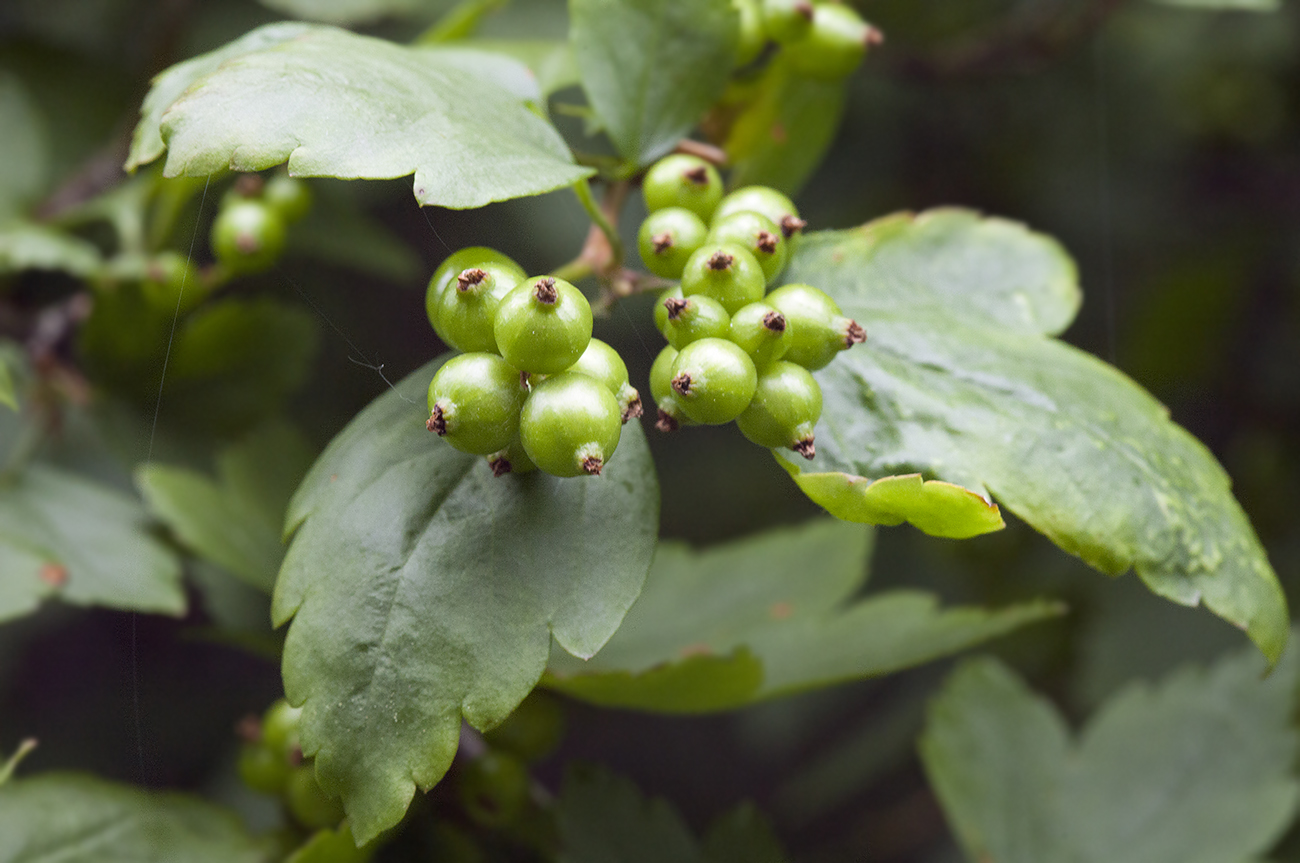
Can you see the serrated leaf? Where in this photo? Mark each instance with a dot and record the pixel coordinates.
(350, 11)
(29, 246)
(651, 68)
(74, 818)
(783, 598)
(742, 835)
(66, 537)
(235, 519)
(958, 382)
(24, 163)
(1195, 770)
(422, 590)
(336, 104)
(779, 138)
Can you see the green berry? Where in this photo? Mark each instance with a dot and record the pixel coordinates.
(820, 330)
(786, 405)
(603, 363)
(533, 730)
(685, 181)
(753, 36)
(543, 325)
(448, 273)
(759, 235)
(760, 331)
(512, 459)
(689, 319)
(310, 805)
(289, 196)
(668, 237)
(766, 201)
(670, 416)
(466, 312)
(171, 283)
(661, 310)
(474, 402)
(494, 788)
(726, 272)
(263, 769)
(570, 425)
(247, 236)
(787, 21)
(834, 46)
(279, 730)
(714, 380)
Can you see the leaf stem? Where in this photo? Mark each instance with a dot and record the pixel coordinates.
(607, 222)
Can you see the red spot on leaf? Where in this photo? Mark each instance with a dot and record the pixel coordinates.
(53, 574)
(696, 650)
(780, 610)
(779, 134)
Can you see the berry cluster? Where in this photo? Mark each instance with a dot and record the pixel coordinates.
(248, 233)
(271, 762)
(532, 389)
(825, 40)
(735, 352)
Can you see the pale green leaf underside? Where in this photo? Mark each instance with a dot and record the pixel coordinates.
(959, 382)
(73, 818)
(1195, 770)
(765, 617)
(551, 60)
(29, 246)
(63, 536)
(651, 68)
(336, 104)
(423, 589)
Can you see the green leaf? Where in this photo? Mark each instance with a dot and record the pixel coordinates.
(80, 819)
(1220, 5)
(422, 590)
(959, 382)
(551, 60)
(338, 233)
(651, 68)
(765, 617)
(336, 104)
(29, 246)
(24, 164)
(742, 835)
(67, 537)
(331, 846)
(1198, 769)
(235, 520)
(350, 11)
(780, 137)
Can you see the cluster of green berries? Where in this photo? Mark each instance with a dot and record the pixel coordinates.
(271, 762)
(825, 40)
(249, 231)
(735, 351)
(532, 388)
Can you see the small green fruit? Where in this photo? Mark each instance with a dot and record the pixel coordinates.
(820, 330)
(786, 405)
(512, 459)
(684, 181)
(714, 380)
(668, 237)
(603, 363)
(834, 46)
(466, 313)
(670, 414)
(494, 788)
(289, 196)
(757, 234)
(760, 331)
(570, 425)
(171, 283)
(280, 730)
(726, 272)
(448, 272)
(310, 805)
(474, 402)
(263, 769)
(247, 236)
(787, 21)
(543, 325)
(753, 36)
(689, 319)
(766, 201)
(661, 310)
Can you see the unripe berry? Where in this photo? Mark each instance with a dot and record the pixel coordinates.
(690, 319)
(786, 405)
(714, 380)
(500, 266)
(787, 21)
(570, 425)
(474, 402)
(466, 313)
(493, 788)
(766, 201)
(512, 459)
(310, 805)
(670, 416)
(820, 330)
(279, 730)
(289, 196)
(761, 331)
(661, 310)
(171, 283)
(726, 272)
(247, 236)
(262, 769)
(835, 45)
(543, 325)
(668, 237)
(603, 363)
(757, 234)
(753, 36)
(685, 181)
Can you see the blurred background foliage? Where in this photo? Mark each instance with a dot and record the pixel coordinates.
(1160, 144)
